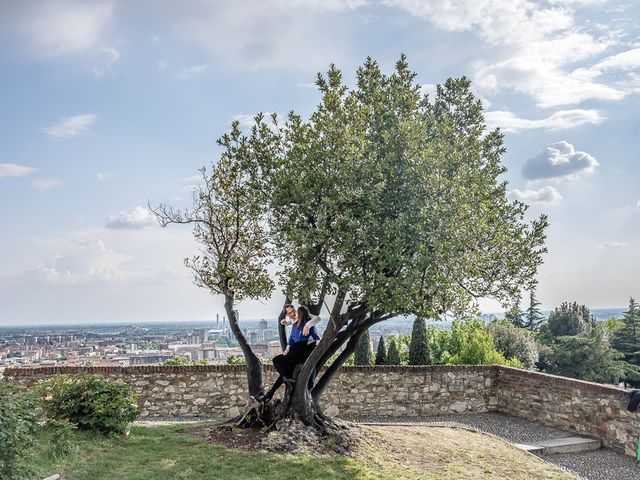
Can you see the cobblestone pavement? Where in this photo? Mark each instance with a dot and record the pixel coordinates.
(603, 464)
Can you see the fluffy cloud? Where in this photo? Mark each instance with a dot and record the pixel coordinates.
(559, 160)
(59, 27)
(611, 245)
(46, 184)
(81, 261)
(107, 57)
(137, 217)
(193, 71)
(71, 127)
(563, 119)
(105, 176)
(255, 34)
(544, 196)
(537, 47)
(14, 170)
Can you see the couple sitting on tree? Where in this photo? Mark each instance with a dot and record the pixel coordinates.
(302, 341)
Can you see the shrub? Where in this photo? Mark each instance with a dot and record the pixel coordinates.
(90, 402)
(18, 423)
(514, 342)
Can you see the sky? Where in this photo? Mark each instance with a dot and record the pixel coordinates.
(106, 106)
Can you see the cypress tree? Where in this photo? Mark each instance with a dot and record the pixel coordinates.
(363, 354)
(393, 354)
(419, 351)
(381, 354)
(533, 316)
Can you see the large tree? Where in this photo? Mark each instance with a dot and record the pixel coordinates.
(382, 203)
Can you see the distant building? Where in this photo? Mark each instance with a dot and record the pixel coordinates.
(197, 336)
(152, 359)
(263, 325)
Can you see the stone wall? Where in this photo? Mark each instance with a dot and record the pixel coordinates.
(585, 408)
(219, 391)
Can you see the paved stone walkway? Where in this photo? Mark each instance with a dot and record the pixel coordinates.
(603, 464)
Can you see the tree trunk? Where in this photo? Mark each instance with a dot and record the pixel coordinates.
(253, 364)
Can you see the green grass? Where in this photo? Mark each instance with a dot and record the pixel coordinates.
(165, 452)
(391, 453)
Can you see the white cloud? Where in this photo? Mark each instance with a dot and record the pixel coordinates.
(137, 217)
(628, 60)
(61, 27)
(559, 160)
(81, 261)
(611, 245)
(107, 57)
(545, 196)
(638, 205)
(255, 34)
(46, 184)
(14, 170)
(193, 71)
(561, 120)
(536, 47)
(105, 176)
(71, 127)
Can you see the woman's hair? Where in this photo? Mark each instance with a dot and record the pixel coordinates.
(303, 316)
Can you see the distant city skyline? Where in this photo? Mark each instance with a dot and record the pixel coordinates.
(108, 105)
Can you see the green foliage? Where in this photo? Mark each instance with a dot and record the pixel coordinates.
(626, 339)
(381, 353)
(515, 316)
(236, 360)
(471, 344)
(363, 354)
(18, 424)
(533, 316)
(588, 357)
(393, 354)
(182, 360)
(439, 339)
(570, 319)
(514, 342)
(89, 401)
(419, 351)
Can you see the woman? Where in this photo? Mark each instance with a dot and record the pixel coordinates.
(302, 341)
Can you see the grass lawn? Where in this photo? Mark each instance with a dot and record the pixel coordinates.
(393, 453)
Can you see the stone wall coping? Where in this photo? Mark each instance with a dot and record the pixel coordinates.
(543, 378)
(547, 378)
(143, 369)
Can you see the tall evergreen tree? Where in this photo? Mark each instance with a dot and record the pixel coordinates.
(381, 354)
(627, 339)
(533, 315)
(515, 316)
(363, 354)
(419, 352)
(393, 354)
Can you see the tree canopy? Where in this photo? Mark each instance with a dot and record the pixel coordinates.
(384, 202)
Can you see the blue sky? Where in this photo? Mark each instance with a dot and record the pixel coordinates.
(109, 104)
